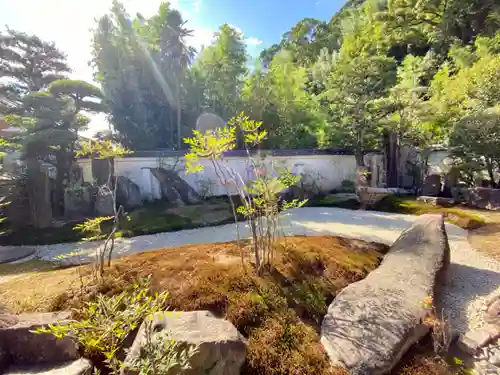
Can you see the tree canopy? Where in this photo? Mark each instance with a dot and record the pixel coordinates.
(418, 68)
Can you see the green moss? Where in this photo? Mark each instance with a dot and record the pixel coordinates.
(461, 217)
(152, 218)
(150, 223)
(331, 201)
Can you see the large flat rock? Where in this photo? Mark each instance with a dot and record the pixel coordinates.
(221, 349)
(20, 346)
(372, 323)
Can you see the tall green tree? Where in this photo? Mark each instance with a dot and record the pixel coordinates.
(27, 64)
(466, 101)
(409, 114)
(221, 68)
(166, 34)
(352, 91)
(58, 115)
(140, 63)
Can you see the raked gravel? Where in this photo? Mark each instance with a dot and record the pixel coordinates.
(473, 277)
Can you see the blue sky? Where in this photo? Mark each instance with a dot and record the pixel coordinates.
(68, 23)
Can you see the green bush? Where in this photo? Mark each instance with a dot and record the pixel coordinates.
(347, 186)
(102, 326)
(463, 218)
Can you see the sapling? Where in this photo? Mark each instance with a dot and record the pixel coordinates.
(261, 200)
(104, 149)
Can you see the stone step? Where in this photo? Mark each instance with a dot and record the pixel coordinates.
(20, 346)
(78, 367)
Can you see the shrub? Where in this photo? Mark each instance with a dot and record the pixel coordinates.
(261, 204)
(103, 325)
(347, 186)
(161, 355)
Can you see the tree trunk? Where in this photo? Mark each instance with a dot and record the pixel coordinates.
(391, 158)
(63, 165)
(179, 116)
(358, 154)
(489, 166)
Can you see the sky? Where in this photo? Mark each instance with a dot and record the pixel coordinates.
(69, 23)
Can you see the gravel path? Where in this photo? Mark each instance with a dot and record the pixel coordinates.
(473, 277)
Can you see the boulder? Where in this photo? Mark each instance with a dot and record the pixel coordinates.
(78, 367)
(221, 349)
(174, 188)
(23, 347)
(128, 193)
(484, 198)
(460, 194)
(369, 196)
(476, 339)
(432, 185)
(372, 323)
(104, 203)
(492, 314)
(77, 201)
(436, 201)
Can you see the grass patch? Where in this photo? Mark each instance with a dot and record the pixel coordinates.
(152, 218)
(33, 265)
(332, 201)
(462, 217)
(279, 312)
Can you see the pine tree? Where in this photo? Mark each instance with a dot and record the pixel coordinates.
(27, 64)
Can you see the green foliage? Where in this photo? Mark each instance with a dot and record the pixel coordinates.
(218, 73)
(104, 324)
(92, 228)
(466, 102)
(161, 355)
(141, 64)
(261, 203)
(279, 98)
(102, 149)
(352, 92)
(340, 83)
(347, 186)
(28, 64)
(210, 145)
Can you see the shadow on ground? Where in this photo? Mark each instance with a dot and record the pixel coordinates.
(470, 283)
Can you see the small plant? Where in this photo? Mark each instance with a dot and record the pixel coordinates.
(103, 149)
(104, 324)
(261, 204)
(161, 355)
(205, 187)
(347, 186)
(440, 329)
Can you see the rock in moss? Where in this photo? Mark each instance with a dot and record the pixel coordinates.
(372, 323)
(220, 348)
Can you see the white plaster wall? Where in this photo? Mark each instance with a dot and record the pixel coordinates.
(327, 171)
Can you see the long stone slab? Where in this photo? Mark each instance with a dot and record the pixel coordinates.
(372, 323)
